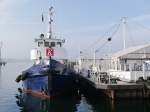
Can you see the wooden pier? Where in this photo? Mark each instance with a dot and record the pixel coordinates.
(130, 65)
(117, 90)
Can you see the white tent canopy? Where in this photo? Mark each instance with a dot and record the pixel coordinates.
(137, 52)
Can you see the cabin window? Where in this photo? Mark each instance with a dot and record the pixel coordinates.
(147, 67)
(46, 44)
(127, 67)
(40, 44)
(59, 43)
(52, 44)
(122, 67)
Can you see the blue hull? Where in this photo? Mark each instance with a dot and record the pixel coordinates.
(58, 84)
(36, 83)
(41, 80)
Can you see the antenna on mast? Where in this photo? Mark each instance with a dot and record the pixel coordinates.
(50, 22)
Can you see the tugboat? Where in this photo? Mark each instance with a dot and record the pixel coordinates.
(50, 74)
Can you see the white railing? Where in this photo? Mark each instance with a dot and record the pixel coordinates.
(130, 76)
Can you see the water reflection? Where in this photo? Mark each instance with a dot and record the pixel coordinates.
(140, 105)
(80, 103)
(0, 75)
(103, 104)
(28, 103)
(84, 105)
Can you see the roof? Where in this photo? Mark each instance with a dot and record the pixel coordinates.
(129, 50)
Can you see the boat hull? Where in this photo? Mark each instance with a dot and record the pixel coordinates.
(46, 86)
(48, 81)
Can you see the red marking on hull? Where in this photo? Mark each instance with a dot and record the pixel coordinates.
(37, 94)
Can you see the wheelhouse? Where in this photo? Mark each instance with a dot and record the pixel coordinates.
(49, 42)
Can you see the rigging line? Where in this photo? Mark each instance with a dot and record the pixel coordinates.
(141, 25)
(100, 39)
(97, 50)
(130, 34)
(105, 34)
(113, 34)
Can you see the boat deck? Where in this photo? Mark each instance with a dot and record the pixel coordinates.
(120, 85)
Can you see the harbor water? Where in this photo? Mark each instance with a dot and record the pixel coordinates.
(80, 101)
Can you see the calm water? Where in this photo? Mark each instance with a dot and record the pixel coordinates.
(69, 103)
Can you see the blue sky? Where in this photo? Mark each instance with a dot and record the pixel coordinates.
(80, 22)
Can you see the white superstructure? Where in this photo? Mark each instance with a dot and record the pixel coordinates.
(38, 54)
(132, 63)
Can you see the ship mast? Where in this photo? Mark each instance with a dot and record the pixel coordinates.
(50, 35)
(124, 22)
